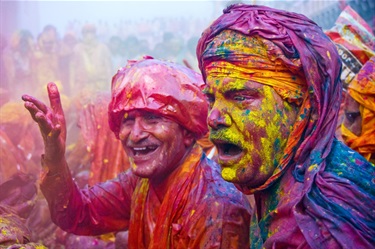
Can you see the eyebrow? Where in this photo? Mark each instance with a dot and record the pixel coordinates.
(250, 86)
(233, 88)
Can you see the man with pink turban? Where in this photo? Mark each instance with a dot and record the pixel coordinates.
(173, 196)
(273, 83)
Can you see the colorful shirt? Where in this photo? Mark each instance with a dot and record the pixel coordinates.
(324, 191)
(199, 210)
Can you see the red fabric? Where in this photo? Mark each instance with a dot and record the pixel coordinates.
(355, 42)
(107, 156)
(137, 86)
(200, 209)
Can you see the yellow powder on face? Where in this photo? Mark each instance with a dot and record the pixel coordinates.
(272, 130)
(265, 121)
(132, 164)
(228, 174)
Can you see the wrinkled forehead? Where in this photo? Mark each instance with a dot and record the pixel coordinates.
(215, 84)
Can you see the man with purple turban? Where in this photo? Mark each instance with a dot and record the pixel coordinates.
(273, 82)
(173, 196)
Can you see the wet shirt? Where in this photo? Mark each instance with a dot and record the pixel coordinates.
(199, 210)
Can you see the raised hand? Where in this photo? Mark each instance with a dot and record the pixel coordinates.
(51, 121)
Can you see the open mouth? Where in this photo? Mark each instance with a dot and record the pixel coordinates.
(228, 149)
(144, 150)
(228, 153)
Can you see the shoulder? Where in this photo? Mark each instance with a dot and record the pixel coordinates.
(348, 164)
(219, 191)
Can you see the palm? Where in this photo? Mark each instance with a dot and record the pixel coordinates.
(51, 121)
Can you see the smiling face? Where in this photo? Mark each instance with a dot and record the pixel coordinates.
(155, 144)
(250, 124)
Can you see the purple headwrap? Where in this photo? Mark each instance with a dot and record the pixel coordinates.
(297, 37)
(312, 149)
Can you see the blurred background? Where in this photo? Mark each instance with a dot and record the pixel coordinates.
(80, 45)
(45, 41)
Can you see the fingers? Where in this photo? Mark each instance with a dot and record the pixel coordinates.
(45, 124)
(55, 102)
(33, 110)
(39, 104)
(54, 98)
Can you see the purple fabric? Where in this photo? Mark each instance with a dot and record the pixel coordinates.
(334, 194)
(299, 37)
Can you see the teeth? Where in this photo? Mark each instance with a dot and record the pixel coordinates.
(139, 149)
(143, 150)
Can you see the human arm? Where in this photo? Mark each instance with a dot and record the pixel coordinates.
(95, 210)
(99, 209)
(52, 126)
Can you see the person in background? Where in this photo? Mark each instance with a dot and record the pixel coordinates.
(46, 59)
(173, 196)
(91, 64)
(18, 58)
(273, 83)
(355, 43)
(68, 43)
(17, 200)
(358, 127)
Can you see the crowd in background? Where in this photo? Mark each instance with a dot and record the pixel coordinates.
(88, 55)
(81, 60)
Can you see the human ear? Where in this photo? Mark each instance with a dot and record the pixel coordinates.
(188, 137)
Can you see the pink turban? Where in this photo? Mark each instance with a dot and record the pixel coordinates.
(166, 88)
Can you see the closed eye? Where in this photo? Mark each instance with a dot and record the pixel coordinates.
(128, 121)
(151, 116)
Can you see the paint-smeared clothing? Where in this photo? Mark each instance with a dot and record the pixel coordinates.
(337, 212)
(199, 210)
(13, 231)
(322, 193)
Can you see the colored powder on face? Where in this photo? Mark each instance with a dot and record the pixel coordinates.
(228, 174)
(132, 164)
(256, 127)
(272, 131)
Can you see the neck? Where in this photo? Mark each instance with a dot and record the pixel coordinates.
(268, 199)
(161, 186)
